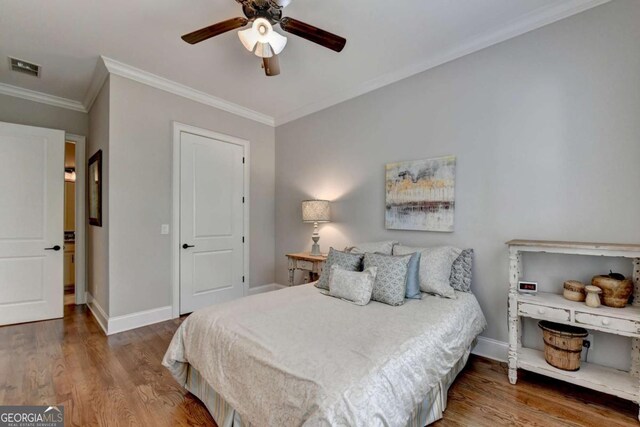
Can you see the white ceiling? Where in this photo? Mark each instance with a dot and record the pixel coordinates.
(387, 41)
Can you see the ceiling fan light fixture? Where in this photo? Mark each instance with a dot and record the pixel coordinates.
(263, 50)
(261, 33)
(249, 38)
(261, 39)
(283, 3)
(277, 42)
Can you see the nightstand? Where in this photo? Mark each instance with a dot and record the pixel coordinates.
(312, 264)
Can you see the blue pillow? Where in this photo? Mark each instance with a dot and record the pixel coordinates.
(413, 277)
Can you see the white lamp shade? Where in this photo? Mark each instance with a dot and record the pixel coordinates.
(316, 211)
(283, 3)
(263, 50)
(277, 42)
(249, 38)
(261, 33)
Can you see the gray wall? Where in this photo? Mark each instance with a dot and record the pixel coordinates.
(140, 156)
(25, 112)
(98, 237)
(547, 137)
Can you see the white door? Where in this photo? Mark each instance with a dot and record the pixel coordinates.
(31, 222)
(211, 221)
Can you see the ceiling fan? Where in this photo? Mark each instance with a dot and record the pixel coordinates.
(261, 38)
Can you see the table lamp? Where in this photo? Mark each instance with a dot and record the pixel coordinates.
(315, 211)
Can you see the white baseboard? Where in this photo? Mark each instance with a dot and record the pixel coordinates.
(138, 319)
(265, 288)
(97, 311)
(116, 324)
(491, 349)
(113, 325)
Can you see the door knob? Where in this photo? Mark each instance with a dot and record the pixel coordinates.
(53, 248)
(185, 246)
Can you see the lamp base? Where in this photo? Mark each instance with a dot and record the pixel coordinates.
(315, 250)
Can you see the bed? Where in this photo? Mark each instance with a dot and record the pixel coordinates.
(296, 356)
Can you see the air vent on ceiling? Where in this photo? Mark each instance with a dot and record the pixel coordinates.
(24, 67)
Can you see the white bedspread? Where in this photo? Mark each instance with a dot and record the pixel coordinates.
(295, 356)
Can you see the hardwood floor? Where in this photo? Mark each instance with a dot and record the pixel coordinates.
(483, 396)
(69, 297)
(118, 380)
(106, 381)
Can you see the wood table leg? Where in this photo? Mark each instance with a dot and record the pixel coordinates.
(515, 333)
(514, 338)
(291, 274)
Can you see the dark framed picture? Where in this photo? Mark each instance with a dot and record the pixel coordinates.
(95, 189)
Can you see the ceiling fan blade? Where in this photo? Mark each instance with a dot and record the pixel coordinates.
(214, 30)
(271, 65)
(313, 34)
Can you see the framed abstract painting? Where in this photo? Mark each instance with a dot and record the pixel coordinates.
(420, 194)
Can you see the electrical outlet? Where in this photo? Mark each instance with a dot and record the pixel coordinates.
(164, 229)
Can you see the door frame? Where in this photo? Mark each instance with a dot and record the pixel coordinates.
(81, 222)
(178, 128)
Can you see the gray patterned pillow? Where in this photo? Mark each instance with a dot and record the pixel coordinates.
(352, 286)
(385, 247)
(349, 262)
(460, 278)
(391, 279)
(435, 268)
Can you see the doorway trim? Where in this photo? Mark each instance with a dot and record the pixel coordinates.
(80, 225)
(178, 128)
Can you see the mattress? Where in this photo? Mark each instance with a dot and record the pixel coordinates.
(295, 356)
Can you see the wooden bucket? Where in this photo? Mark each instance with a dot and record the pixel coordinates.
(562, 344)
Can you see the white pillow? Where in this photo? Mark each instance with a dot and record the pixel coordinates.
(385, 247)
(435, 268)
(352, 286)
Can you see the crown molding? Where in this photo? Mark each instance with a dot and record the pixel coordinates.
(106, 66)
(123, 70)
(41, 97)
(528, 22)
(100, 75)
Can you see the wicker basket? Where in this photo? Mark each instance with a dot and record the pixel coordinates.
(562, 344)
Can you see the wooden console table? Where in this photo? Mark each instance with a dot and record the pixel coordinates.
(553, 307)
(312, 264)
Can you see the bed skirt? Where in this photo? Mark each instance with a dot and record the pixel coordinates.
(427, 412)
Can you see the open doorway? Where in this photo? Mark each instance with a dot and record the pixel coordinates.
(69, 223)
(74, 221)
